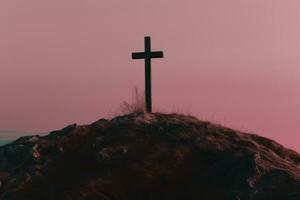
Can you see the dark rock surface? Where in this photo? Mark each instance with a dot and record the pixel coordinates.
(148, 156)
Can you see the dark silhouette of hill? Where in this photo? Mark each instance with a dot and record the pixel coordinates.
(148, 156)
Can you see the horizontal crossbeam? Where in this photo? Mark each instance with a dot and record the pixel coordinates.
(142, 55)
(138, 55)
(157, 54)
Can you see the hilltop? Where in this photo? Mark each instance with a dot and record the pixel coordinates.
(148, 156)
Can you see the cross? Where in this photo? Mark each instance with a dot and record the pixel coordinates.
(147, 55)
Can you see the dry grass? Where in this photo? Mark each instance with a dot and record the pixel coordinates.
(136, 106)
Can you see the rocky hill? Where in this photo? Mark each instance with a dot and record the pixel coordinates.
(148, 157)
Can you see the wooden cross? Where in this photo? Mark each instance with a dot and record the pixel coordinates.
(147, 55)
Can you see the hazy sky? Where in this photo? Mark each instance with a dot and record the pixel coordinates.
(234, 62)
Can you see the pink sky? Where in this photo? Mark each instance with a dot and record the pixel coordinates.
(234, 62)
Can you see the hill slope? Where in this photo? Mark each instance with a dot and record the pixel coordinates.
(148, 156)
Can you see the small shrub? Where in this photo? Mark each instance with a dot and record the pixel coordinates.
(136, 106)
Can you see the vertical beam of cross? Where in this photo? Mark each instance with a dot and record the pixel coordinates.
(148, 55)
(148, 74)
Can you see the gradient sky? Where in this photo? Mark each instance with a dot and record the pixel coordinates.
(233, 62)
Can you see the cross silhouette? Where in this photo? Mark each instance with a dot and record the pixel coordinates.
(147, 55)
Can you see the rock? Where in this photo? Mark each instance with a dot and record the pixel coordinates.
(148, 156)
